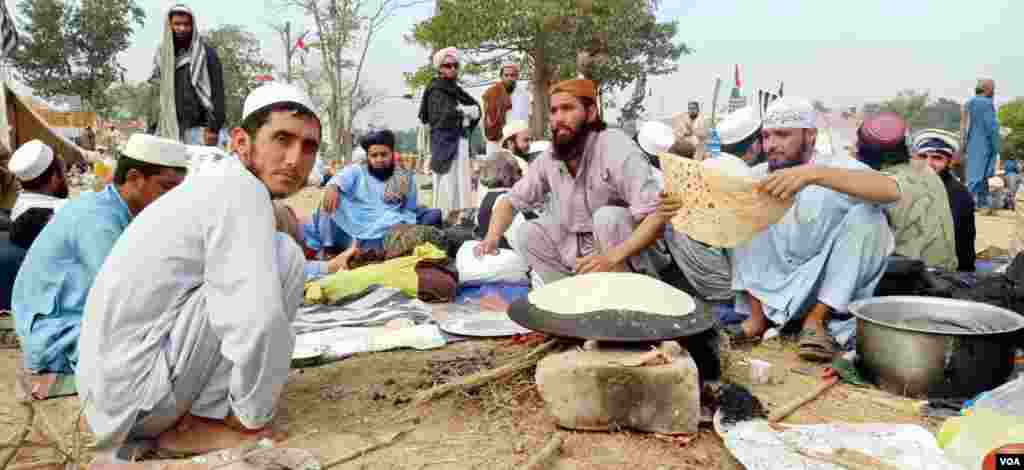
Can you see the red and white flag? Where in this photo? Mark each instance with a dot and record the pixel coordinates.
(305, 39)
(738, 83)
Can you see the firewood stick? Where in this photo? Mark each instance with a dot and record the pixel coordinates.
(366, 450)
(482, 377)
(546, 456)
(789, 408)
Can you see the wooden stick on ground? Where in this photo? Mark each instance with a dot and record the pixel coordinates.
(547, 454)
(366, 450)
(788, 409)
(482, 377)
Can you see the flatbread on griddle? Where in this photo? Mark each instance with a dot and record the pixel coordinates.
(596, 292)
(719, 209)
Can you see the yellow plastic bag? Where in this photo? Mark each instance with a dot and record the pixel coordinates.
(399, 273)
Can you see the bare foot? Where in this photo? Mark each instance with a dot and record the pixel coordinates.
(755, 328)
(195, 435)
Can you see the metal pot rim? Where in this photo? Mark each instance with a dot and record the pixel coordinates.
(857, 305)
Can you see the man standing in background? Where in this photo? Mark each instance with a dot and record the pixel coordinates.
(193, 85)
(691, 127)
(497, 105)
(980, 131)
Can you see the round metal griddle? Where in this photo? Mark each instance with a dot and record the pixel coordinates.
(613, 325)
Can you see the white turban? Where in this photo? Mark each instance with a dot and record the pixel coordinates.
(790, 112)
(442, 54)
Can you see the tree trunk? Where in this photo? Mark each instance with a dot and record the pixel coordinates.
(541, 81)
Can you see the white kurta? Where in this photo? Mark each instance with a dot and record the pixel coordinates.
(192, 311)
(29, 199)
(452, 190)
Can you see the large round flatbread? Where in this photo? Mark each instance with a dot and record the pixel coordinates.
(596, 292)
(719, 208)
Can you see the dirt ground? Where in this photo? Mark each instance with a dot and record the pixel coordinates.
(336, 409)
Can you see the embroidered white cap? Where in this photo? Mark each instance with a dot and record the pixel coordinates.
(739, 125)
(655, 137)
(276, 93)
(512, 128)
(790, 112)
(539, 146)
(30, 160)
(156, 150)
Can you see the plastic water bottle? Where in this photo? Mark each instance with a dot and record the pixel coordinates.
(714, 144)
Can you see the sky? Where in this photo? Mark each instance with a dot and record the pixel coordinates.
(844, 53)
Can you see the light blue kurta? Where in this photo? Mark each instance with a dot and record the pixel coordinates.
(829, 247)
(54, 280)
(982, 147)
(362, 211)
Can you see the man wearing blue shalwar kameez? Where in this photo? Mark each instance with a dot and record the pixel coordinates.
(827, 251)
(367, 199)
(61, 265)
(982, 142)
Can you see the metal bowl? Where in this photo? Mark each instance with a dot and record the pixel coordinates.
(935, 347)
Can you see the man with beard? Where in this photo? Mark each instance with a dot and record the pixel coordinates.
(921, 222)
(367, 199)
(980, 131)
(828, 250)
(692, 127)
(186, 334)
(193, 86)
(498, 105)
(937, 147)
(42, 177)
(60, 267)
(604, 196)
(451, 114)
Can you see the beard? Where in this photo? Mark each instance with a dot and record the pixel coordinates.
(510, 86)
(63, 192)
(776, 164)
(569, 147)
(694, 114)
(382, 174)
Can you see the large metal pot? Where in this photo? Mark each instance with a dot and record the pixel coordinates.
(935, 347)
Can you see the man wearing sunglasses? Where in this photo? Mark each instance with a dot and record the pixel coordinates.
(937, 147)
(451, 114)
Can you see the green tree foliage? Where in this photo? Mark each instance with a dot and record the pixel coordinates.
(614, 42)
(1012, 115)
(130, 100)
(921, 113)
(242, 59)
(71, 48)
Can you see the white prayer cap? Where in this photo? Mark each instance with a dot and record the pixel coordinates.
(30, 160)
(539, 146)
(443, 54)
(156, 150)
(739, 125)
(276, 93)
(790, 112)
(655, 138)
(512, 128)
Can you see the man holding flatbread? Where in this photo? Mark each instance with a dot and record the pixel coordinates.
(604, 196)
(830, 247)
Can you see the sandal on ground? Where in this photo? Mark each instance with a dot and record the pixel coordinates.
(816, 345)
(737, 335)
